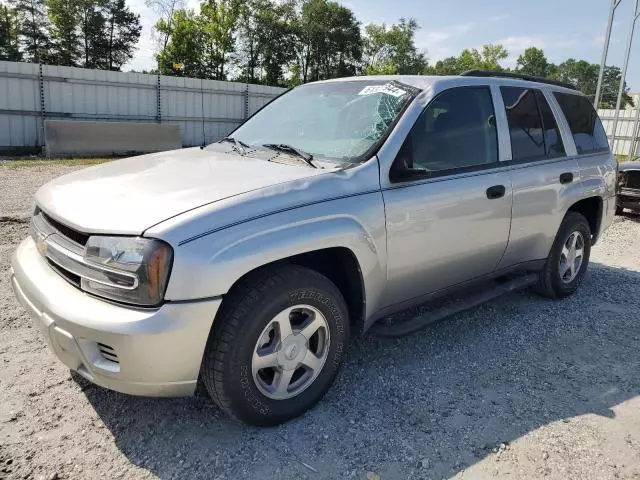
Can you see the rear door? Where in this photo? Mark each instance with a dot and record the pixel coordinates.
(450, 223)
(545, 172)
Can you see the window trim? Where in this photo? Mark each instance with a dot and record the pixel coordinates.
(428, 175)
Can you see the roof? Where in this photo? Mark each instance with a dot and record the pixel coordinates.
(425, 82)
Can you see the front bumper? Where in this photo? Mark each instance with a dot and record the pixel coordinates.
(628, 198)
(137, 351)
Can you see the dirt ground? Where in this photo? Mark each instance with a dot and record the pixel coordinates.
(521, 387)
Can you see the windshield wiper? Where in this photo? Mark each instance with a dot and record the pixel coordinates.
(240, 146)
(307, 157)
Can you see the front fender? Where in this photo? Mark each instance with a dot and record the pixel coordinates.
(209, 266)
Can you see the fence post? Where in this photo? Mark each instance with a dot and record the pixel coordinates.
(635, 132)
(159, 101)
(246, 102)
(43, 108)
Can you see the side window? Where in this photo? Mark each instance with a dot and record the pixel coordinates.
(456, 130)
(585, 125)
(552, 137)
(525, 124)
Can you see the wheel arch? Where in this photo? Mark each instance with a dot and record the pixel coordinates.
(338, 264)
(592, 209)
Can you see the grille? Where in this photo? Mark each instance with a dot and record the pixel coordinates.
(70, 277)
(70, 233)
(108, 352)
(631, 179)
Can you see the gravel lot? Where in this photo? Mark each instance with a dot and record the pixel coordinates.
(521, 387)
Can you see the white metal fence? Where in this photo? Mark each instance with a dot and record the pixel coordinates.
(627, 137)
(205, 110)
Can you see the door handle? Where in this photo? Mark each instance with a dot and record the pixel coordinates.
(566, 177)
(497, 191)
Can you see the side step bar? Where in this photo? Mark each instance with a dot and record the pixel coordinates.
(400, 329)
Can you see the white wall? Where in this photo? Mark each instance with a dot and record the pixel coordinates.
(205, 110)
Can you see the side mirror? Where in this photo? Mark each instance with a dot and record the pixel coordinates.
(397, 175)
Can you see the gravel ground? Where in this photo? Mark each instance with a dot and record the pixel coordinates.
(521, 387)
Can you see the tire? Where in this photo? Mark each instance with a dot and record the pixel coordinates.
(248, 316)
(551, 283)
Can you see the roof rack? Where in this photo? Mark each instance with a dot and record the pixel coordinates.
(530, 78)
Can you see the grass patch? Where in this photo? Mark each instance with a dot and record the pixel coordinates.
(39, 162)
(624, 158)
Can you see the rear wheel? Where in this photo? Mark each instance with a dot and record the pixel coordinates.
(569, 257)
(277, 346)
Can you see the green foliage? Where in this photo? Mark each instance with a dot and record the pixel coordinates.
(123, 31)
(275, 42)
(219, 21)
(266, 38)
(65, 18)
(9, 35)
(182, 54)
(33, 31)
(392, 50)
(584, 76)
(533, 62)
(328, 42)
(92, 33)
(471, 59)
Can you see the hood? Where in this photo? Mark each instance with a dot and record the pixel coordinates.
(628, 166)
(130, 195)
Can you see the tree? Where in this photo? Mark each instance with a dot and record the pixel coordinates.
(491, 56)
(33, 29)
(266, 39)
(584, 76)
(182, 54)
(471, 59)
(92, 22)
(219, 20)
(123, 32)
(328, 42)
(63, 15)
(9, 35)
(166, 9)
(393, 50)
(533, 62)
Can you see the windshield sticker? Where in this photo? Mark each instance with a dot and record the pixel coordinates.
(389, 89)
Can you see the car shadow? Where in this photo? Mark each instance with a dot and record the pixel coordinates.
(424, 406)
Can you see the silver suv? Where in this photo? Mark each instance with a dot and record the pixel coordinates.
(246, 265)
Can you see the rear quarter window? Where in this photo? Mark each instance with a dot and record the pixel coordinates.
(586, 127)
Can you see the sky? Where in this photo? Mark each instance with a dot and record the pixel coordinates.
(562, 28)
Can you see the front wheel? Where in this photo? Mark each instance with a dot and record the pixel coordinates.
(567, 262)
(277, 345)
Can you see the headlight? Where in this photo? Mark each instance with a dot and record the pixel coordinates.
(133, 270)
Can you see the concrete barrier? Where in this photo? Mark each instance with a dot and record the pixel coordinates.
(64, 137)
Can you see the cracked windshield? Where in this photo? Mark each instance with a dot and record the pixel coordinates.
(335, 121)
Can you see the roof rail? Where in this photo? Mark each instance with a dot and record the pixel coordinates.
(518, 76)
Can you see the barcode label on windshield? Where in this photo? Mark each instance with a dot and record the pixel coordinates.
(389, 89)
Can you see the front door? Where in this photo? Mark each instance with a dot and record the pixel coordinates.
(451, 224)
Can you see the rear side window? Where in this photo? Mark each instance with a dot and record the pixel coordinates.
(532, 128)
(456, 131)
(525, 124)
(585, 125)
